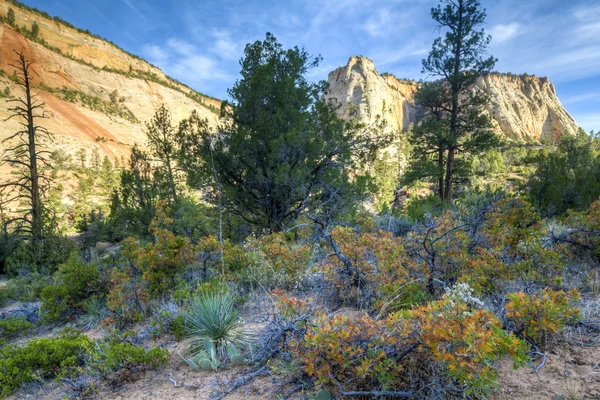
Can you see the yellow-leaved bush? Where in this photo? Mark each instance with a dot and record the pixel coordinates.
(365, 353)
(538, 316)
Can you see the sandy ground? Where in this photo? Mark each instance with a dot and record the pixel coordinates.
(174, 381)
(572, 372)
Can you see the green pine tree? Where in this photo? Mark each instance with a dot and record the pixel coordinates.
(454, 124)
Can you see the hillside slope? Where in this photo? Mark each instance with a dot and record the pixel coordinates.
(96, 94)
(523, 108)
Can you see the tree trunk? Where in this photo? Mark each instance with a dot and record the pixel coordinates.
(441, 173)
(36, 202)
(449, 173)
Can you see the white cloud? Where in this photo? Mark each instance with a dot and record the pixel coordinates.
(224, 46)
(587, 13)
(156, 54)
(582, 97)
(185, 61)
(378, 23)
(501, 33)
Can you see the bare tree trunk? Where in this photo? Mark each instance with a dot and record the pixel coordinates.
(36, 201)
(30, 186)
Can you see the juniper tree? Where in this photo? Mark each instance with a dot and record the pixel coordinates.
(10, 17)
(27, 153)
(455, 123)
(161, 143)
(35, 30)
(280, 149)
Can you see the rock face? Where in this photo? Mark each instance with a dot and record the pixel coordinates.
(523, 108)
(96, 95)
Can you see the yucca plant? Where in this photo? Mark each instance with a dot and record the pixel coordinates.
(96, 311)
(214, 317)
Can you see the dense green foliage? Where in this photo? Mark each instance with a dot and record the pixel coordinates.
(13, 326)
(280, 150)
(74, 282)
(41, 358)
(567, 175)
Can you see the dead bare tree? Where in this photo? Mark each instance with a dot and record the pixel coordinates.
(26, 152)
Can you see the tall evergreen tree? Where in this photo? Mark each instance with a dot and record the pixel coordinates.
(35, 30)
(134, 202)
(10, 17)
(280, 150)
(161, 142)
(455, 123)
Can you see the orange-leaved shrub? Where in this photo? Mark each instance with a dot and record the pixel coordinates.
(273, 261)
(538, 316)
(466, 338)
(381, 266)
(369, 354)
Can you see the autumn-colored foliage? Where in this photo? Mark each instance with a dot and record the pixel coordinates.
(538, 316)
(377, 354)
(465, 337)
(381, 267)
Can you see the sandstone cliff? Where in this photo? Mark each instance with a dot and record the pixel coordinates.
(524, 108)
(96, 95)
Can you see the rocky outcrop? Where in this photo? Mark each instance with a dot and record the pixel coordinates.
(96, 95)
(526, 107)
(362, 92)
(523, 108)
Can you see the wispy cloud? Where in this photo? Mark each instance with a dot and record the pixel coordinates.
(501, 33)
(581, 97)
(136, 10)
(185, 61)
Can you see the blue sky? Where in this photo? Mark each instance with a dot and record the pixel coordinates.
(200, 42)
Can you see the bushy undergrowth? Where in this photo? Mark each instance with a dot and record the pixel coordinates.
(12, 327)
(425, 294)
(41, 358)
(538, 316)
(74, 282)
(73, 354)
(376, 355)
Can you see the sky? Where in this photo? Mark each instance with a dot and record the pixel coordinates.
(200, 42)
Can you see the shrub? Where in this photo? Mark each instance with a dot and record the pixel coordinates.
(538, 316)
(368, 354)
(13, 326)
(54, 251)
(75, 281)
(128, 292)
(380, 268)
(466, 338)
(95, 312)
(365, 352)
(280, 262)
(41, 358)
(25, 288)
(161, 262)
(177, 327)
(119, 361)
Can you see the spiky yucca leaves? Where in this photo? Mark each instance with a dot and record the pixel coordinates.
(96, 311)
(214, 317)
